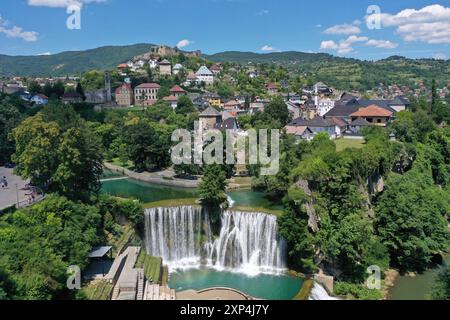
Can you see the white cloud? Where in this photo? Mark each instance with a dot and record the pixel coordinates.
(344, 46)
(263, 12)
(44, 54)
(385, 44)
(183, 43)
(431, 24)
(328, 45)
(268, 48)
(344, 29)
(17, 32)
(440, 56)
(61, 3)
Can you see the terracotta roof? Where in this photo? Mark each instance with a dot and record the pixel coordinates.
(122, 66)
(297, 130)
(232, 103)
(123, 85)
(372, 111)
(170, 98)
(271, 86)
(177, 89)
(148, 86)
(165, 62)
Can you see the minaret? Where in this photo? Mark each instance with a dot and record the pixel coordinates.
(108, 86)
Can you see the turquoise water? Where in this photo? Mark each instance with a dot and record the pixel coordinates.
(250, 198)
(147, 192)
(269, 287)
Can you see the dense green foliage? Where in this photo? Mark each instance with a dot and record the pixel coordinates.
(344, 73)
(69, 63)
(212, 187)
(441, 288)
(356, 291)
(39, 243)
(58, 151)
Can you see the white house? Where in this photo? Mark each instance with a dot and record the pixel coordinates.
(39, 99)
(177, 68)
(324, 106)
(205, 75)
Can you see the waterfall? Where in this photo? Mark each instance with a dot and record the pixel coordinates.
(247, 242)
(175, 235)
(230, 201)
(319, 293)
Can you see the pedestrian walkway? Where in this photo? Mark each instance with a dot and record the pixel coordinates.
(15, 193)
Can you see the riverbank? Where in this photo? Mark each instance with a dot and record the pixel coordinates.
(164, 178)
(167, 178)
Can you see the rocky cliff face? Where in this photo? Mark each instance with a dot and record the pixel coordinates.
(313, 221)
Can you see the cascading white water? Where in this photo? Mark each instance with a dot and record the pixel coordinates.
(319, 293)
(247, 242)
(175, 235)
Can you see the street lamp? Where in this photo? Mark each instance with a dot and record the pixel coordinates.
(17, 194)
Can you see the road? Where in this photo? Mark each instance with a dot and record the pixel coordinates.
(8, 196)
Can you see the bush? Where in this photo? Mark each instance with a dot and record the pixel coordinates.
(356, 291)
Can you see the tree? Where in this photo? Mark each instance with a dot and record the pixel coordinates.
(410, 220)
(147, 149)
(277, 109)
(66, 159)
(40, 243)
(34, 88)
(293, 226)
(434, 97)
(213, 185)
(185, 105)
(10, 117)
(79, 89)
(441, 288)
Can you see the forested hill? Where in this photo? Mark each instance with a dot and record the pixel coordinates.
(70, 62)
(339, 72)
(276, 57)
(345, 73)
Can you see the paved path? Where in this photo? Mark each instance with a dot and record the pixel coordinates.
(8, 196)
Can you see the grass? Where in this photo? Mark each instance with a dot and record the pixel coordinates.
(153, 267)
(117, 162)
(172, 203)
(119, 242)
(343, 144)
(98, 290)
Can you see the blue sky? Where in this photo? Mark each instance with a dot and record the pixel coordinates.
(31, 27)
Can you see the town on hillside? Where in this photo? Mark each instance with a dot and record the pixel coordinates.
(165, 74)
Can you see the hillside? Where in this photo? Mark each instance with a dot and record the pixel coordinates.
(341, 73)
(345, 73)
(71, 62)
